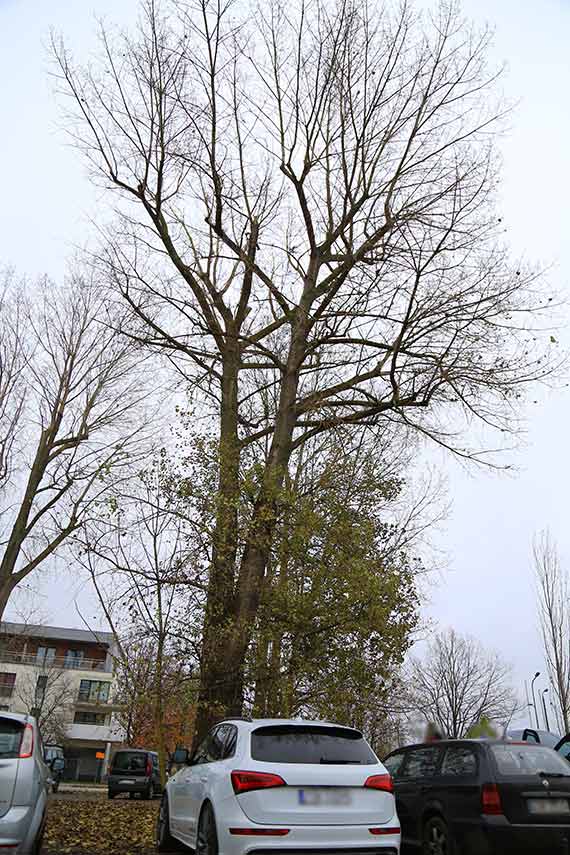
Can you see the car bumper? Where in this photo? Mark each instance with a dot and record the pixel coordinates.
(16, 830)
(497, 836)
(307, 840)
(129, 787)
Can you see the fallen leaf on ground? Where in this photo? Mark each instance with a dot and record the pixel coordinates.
(100, 827)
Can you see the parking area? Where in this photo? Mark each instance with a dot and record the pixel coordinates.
(87, 823)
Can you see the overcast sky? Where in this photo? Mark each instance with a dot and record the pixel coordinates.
(46, 205)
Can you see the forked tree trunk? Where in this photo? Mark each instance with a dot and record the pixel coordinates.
(216, 693)
(227, 635)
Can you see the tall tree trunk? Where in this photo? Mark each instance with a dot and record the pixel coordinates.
(159, 713)
(215, 697)
(222, 681)
(6, 588)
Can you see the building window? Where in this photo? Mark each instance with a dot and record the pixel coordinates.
(4, 707)
(82, 717)
(45, 656)
(94, 691)
(41, 687)
(73, 658)
(7, 682)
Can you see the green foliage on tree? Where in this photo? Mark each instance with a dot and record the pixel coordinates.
(483, 729)
(340, 600)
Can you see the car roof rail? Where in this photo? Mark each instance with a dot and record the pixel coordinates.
(234, 718)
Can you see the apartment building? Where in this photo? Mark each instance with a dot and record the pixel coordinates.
(65, 678)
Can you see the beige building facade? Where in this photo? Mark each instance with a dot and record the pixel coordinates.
(65, 677)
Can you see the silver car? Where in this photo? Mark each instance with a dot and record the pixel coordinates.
(24, 779)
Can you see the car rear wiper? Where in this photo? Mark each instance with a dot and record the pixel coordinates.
(552, 775)
(325, 760)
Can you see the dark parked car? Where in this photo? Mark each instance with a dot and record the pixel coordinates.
(471, 797)
(134, 771)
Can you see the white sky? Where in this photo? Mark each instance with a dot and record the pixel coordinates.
(46, 204)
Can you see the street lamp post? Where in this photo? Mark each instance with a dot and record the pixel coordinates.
(536, 676)
(544, 691)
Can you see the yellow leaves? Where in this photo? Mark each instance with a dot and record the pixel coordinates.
(96, 826)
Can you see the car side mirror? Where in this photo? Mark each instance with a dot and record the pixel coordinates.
(181, 757)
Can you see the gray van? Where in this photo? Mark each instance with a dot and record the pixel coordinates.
(134, 771)
(24, 780)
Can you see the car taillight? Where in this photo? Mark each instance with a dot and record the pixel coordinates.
(244, 782)
(491, 800)
(27, 743)
(394, 830)
(380, 782)
(149, 768)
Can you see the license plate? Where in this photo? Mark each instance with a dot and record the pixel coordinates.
(314, 797)
(548, 806)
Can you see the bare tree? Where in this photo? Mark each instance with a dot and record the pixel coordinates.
(458, 683)
(553, 601)
(306, 228)
(69, 417)
(43, 689)
(48, 693)
(136, 558)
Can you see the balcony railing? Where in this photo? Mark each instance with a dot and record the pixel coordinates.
(17, 658)
(84, 698)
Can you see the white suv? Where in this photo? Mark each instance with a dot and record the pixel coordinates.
(273, 785)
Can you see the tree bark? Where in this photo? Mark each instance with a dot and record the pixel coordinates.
(223, 666)
(6, 588)
(216, 696)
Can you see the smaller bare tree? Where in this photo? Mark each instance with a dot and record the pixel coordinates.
(136, 558)
(44, 690)
(48, 694)
(69, 416)
(553, 593)
(458, 683)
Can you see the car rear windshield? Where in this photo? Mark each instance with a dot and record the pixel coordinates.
(310, 744)
(10, 736)
(130, 761)
(529, 759)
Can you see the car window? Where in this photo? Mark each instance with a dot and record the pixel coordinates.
(420, 763)
(129, 761)
(459, 761)
(286, 743)
(394, 764)
(200, 754)
(230, 740)
(564, 750)
(212, 747)
(217, 742)
(10, 736)
(528, 760)
(531, 736)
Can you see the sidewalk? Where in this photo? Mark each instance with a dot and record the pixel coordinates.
(68, 787)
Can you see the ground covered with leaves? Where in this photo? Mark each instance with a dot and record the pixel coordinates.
(90, 824)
